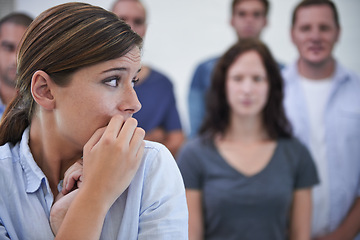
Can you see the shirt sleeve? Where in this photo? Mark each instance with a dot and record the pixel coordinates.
(306, 173)
(196, 100)
(189, 162)
(164, 213)
(196, 105)
(172, 118)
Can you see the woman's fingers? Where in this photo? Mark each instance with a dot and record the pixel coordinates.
(130, 140)
(112, 157)
(140, 151)
(59, 209)
(72, 179)
(113, 128)
(71, 176)
(95, 138)
(132, 136)
(137, 143)
(127, 131)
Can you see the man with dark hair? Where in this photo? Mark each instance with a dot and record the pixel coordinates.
(12, 28)
(322, 102)
(248, 19)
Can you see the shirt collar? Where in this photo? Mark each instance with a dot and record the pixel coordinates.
(340, 73)
(33, 174)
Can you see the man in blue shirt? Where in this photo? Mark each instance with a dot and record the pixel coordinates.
(248, 20)
(322, 101)
(12, 28)
(158, 116)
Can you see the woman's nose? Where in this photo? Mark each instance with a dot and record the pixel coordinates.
(246, 85)
(130, 103)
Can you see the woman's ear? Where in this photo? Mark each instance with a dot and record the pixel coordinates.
(41, 90)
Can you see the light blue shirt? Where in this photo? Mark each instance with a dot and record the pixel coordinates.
(153, 206)
(342, 135)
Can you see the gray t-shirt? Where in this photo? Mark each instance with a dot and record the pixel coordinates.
(241, 207)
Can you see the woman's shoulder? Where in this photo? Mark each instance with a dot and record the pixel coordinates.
(292, 144)
(196, 151)
(154, 147)
(158, 165)
(8, 154)
(198, 143)
(156, 154)
(11, 169)
(162, 194)
(295, 151)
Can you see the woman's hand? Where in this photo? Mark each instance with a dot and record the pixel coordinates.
(73, 177)
(60, 208)
(72, 180)
(112, 157)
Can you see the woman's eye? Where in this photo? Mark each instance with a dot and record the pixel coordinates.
(258, 78)
(134, 81)
(238, 78)
(113, 82)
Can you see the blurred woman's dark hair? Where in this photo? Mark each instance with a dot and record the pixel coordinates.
(217, 108)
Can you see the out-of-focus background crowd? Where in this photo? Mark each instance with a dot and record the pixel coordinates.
(183, 33)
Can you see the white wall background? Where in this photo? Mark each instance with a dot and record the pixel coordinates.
(181, 33)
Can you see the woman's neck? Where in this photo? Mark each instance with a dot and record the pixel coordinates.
(245, 130)
(52, 158)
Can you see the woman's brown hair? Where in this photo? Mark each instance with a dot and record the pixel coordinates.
(218, 110)
(60, 41)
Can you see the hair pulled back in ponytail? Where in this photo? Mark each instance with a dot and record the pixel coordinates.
(60, 41)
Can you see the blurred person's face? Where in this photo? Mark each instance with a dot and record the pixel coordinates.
(10, 37)
(248, 18)
(247, 86)
(133, 13)
(96, 94)
(315, 33)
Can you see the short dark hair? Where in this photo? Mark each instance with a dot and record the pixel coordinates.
(217, 117)
(307, 3)
(265, 2)
(17, 18)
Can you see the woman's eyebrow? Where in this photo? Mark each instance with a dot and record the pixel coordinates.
(119, 69)
(116, 69)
